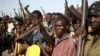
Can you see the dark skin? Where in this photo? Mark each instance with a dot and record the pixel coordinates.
(60, 28)
(94, 22)
(48, 18)
(76, 25)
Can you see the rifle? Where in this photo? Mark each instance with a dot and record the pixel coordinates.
(42, 29)
(22, 11)
(81, 42)
(66, 9)
(2, 14)
(15, 12)
(33, 17)
(43, 11)
(18, 12)
(10, 15)
(23, 16)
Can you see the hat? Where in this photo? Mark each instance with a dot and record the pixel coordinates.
(94, 9)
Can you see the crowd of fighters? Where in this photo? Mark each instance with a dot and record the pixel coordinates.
(50, 35)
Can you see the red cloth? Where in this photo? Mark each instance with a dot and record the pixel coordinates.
(65, 47)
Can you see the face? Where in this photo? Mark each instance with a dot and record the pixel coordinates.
(36, 15)
(18, 30)
(37, 18)
(94, 22)
(60, 27)
(24, 45)
(48, 48)
(76, 26)
(55, 17)
(48, 18)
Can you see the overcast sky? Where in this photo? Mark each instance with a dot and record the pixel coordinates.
(7, 6)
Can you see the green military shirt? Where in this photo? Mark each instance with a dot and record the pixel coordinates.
(92, 50)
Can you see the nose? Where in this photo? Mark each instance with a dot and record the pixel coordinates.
(92, 19)
(57, 27)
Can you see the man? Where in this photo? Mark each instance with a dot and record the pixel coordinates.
(49, 26)
(92, 47)
(64, 45)
(76, 24)
(39, 35)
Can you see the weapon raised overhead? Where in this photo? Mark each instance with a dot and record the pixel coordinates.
(26, 8)
(2, 14)
(43, 11)
(66, 8)
(42, 29)
(15, 12)
(22, 10)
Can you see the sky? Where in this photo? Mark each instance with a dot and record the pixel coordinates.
(7, 6)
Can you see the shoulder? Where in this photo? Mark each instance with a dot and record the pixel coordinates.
(33, 50)
(35, 47)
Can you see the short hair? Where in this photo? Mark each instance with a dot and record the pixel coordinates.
(94, 9)
(38, 13)
(66, 22)
(62, 17)
(49, 14)
(59, 14)
(74, 21)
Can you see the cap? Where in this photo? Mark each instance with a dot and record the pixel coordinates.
(94, 9)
